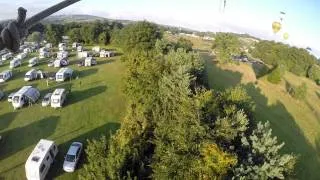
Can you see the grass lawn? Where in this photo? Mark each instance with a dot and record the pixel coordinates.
(95, 106)
(297, 123)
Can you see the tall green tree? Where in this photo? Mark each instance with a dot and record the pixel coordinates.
(75, 35)
(225, 46)
(34, 37)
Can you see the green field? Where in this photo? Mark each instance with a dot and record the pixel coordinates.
(94, 106)
(293, 122)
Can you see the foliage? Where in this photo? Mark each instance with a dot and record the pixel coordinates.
(34, 37)
(226, 45)
(314, 73)
(53, 33)
(184, 44)
(163, 46)
(276, 75)
(296, 60)
(75, 35)
(262, 158)
(299, 92)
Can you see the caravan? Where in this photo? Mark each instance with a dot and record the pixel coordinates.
(60, 62)
(79, 48)
(75, 45)
(58, 97)
(22, 55)
(64, 74)
(31, 75)
(96, 49)
(40, 160)
(62, 54)
(5, 75)
(62, 46)
(15, 63)
(90, 61)
(27, 94)
(7, 56)
(104, 53)
(33, 61)
(83, 54)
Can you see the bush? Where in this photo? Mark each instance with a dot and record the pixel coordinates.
(314, 73)
(276, 75)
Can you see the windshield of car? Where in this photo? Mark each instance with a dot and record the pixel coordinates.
(70, 158)
(27, 76)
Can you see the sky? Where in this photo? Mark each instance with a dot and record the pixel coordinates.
(241, 16)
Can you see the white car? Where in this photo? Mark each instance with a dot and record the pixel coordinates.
(10, 97)
(72, 157)
(46, 100)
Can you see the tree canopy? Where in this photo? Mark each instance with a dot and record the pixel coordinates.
(225, 46)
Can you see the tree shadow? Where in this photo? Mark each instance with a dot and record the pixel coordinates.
(19, 138)
(260, 69)
(18, 74)
(105, 61)
(6, 119)
(87, 72)
(286, 129)
(106, 129)
(77, 96)
(216, 77)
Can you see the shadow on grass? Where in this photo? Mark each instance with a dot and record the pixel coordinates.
(18, 74)
(260, 70)
(87, 72)
(77, 96)
(107, 129)
(19, 138)
(105, 61)
(6, 119)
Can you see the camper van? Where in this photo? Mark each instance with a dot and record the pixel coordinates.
(33, 61)
(58, 97)
(31, 75)
(41, 159)
(22, 55)
(26, 95)
(90, 61)
(62, 54)
(6, 56)
(64, 74)
(96, 49)
(15, 63)
(83, 54)
(5, 75)
(60, 62)
(62, 46)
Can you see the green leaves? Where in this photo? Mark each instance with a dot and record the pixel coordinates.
(226, 45)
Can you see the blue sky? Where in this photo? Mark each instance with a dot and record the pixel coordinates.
(242, 16)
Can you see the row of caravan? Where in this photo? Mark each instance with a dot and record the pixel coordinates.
(29, 95)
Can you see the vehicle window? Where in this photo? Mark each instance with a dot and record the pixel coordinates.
(43, 166)
(70, 158)
(78, 152)
(54, 147)
(16, 99)
(51, 154)
(47, 158)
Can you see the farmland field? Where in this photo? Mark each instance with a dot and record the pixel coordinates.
(94, 106)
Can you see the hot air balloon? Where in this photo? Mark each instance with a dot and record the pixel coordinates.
(277, 25)
(285, 36)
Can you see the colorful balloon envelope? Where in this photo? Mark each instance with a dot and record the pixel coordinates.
(276, 26)
(286, 36)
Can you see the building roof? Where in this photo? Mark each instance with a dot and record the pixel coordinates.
(39, 152)
(23, 90)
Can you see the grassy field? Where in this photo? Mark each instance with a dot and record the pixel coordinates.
(94, 106)
(297, 123)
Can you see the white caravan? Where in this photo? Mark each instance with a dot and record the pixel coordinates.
(48, 45)
(90, 61)
(58, 97)
(5, 75)
(96, 49)
(31, 75)
(75, 45)
(79, 48)
(6, 56)
(22, 55)
(33, 61)
(44, 54)
(26, 95)
(62, 54)
(105, 53)
(64, 74)
(15, 63)
(60, 62)
(62, 46)
(40, 160)
(27, 50)
(83, 54)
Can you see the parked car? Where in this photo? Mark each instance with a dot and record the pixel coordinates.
(72, 157)
(46, 100)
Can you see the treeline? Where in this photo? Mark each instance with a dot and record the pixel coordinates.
(175, 128)
(295, 60)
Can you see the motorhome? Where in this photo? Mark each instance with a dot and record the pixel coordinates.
(26, 95)
(6, 56)
(33, 61)
(83, 54)
(41, 159)
(58, 97)
(15, 63)
(5, 75)
(64, 74)
(105, 53)
(90, 61)
(22, 55)
(60, 62)
(44, 54)
(96, 49)
(31, 75)
(75, 45)
(62, 46)
(62, 54)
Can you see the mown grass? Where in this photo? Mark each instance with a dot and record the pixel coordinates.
(297, 123)
(95, 106)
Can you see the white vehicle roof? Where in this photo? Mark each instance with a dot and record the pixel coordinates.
(39, 153)
(31, 71)
(23, 90)
(58, 92)
(64, 70)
